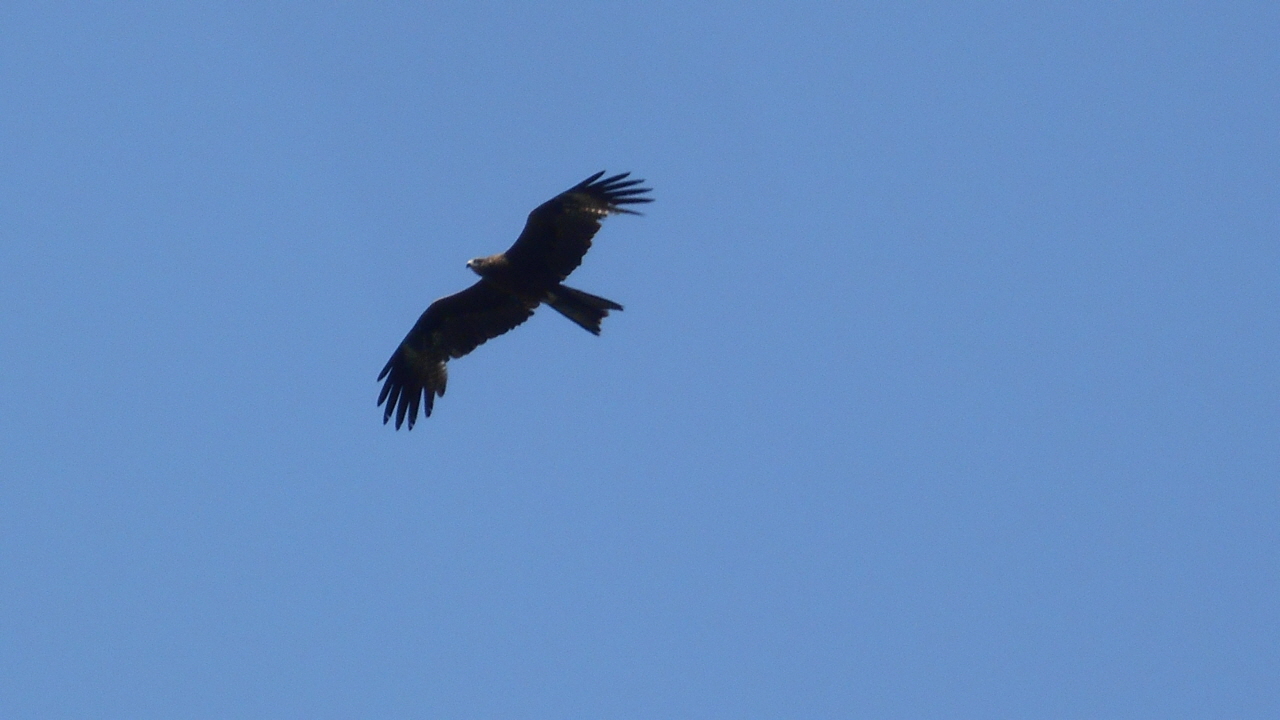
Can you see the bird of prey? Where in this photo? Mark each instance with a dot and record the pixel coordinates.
(512, 284)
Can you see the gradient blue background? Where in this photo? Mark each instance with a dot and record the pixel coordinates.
(947, 384)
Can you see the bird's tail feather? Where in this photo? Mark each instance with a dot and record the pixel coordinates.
(585, 309)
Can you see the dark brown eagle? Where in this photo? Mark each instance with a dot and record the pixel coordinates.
(512, 284)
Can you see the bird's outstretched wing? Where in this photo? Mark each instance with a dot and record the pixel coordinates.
(559, 231)
(452, 327)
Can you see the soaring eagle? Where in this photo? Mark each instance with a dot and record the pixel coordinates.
(512, 284)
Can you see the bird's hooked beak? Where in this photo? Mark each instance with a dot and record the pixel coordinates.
(472, 265)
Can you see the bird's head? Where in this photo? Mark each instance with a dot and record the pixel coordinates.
(480, 265)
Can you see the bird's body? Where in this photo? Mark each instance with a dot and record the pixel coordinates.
(512, 285)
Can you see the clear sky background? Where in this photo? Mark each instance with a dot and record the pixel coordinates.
(947, 384)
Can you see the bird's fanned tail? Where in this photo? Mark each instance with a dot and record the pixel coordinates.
(583, 308)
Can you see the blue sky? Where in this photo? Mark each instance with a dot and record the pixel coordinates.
(946, 386)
